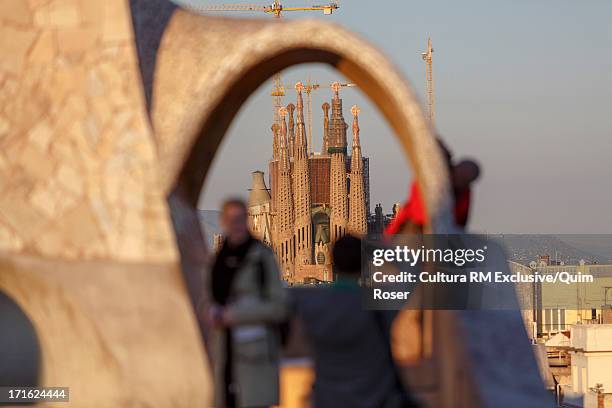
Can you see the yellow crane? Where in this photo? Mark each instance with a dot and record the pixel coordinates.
(275, 9)
(308, 88)
(431, 100)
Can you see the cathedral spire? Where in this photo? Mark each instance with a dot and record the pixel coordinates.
(338, 197)
(285, 212)
(291, 109)
(337, 126)
(325, 108)
(275, 144)
(356, 145)
(283, 149)
(357, 224)
(273, 170)
(301, 189)
(301, 145)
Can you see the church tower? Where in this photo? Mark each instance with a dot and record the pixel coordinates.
(291, 109)
(325, 108)
(259, 209)
(301, 188)
(357, 212)
(337, 149)
(284, 248)
(273, 178)
(275, 142)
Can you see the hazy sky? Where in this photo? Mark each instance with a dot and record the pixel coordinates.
(522, 86)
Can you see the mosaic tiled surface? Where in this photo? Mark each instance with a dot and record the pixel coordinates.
(78, 175)
(86, 244)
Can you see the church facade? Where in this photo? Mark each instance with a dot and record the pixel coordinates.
(314, 198)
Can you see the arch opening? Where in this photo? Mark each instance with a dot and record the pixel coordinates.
(212, 127)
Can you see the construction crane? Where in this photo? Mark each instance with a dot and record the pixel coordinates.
(275, 9)
(431, 100)
(308, 88)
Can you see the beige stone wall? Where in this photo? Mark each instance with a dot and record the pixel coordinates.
(78, 175)
(86, 244)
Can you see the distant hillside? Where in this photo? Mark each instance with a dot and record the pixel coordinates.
(209, 220)
(598, 244)
(569, 249)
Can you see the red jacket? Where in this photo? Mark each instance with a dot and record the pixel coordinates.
(414, 210)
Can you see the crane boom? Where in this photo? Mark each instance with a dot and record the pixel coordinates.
(276, 9)
(232, 7)
(431, 100)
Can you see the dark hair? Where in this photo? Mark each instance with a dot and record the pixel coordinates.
(347, 255)
(233, 202)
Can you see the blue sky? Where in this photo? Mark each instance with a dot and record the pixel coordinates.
(523, 86)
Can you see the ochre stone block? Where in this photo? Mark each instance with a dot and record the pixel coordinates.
(95, 86)
(57, 14)
(116, 22)
(35, 162)
(14, 44)
(80, 225)
(16, 12)
(76, 40)
(40, 135)
(4, 127)
(91, 12)
(44, 49)
(10, 241)
(19, 216)
(70, 179)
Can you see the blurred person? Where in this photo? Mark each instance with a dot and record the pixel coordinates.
(412, 216)
(248, 304)
(350, 346)
(407, 337)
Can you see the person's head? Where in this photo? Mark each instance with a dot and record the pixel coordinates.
(346, 256)
(234, 221)
(464, 173)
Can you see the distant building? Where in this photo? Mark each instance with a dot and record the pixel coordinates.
(591, 356)
(574, 321)
(314, 199)
(591, 359)
(562, 305)
(260, 218)
(379, 220)
(554, 307)
(545, 260)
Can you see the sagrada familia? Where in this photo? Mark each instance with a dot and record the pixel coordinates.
(314, 199)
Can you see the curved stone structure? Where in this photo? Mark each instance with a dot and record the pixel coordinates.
(107, 108)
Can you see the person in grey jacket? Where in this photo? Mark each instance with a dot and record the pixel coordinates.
(351, 346)
(248, 303)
